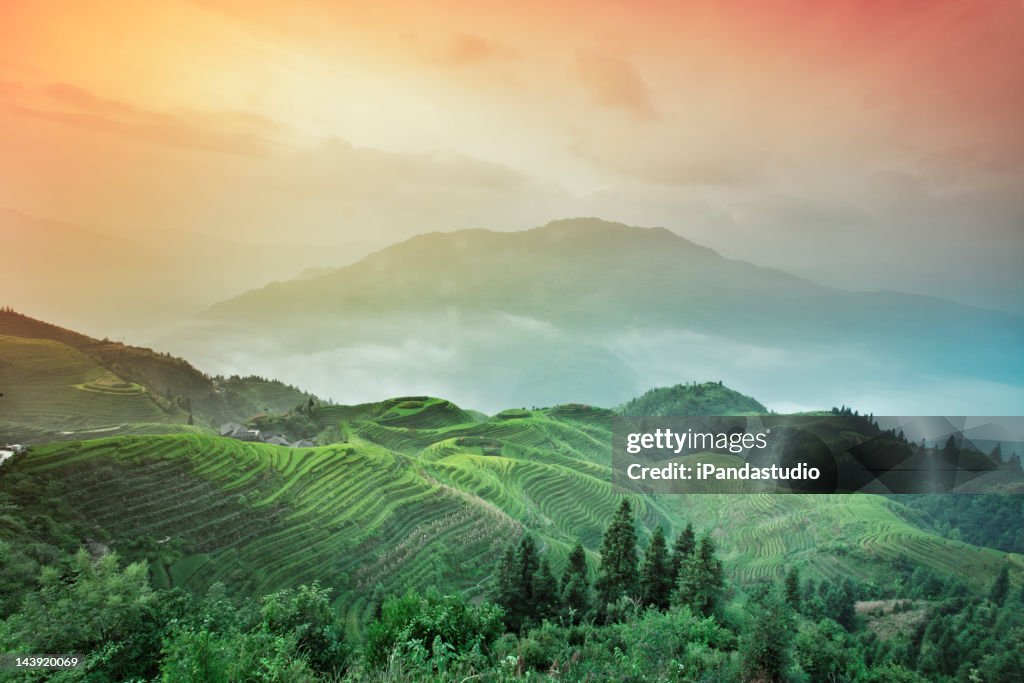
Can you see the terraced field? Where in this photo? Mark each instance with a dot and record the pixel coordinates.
(109, 383)
(434, 502)
(258, 517)
(51, 386)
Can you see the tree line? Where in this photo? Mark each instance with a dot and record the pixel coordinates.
(690, 574)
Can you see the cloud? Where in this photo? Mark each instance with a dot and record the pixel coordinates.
(70, 105)
(337, 168)
(614, 83)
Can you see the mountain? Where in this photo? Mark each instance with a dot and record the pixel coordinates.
(58, 383)
(584, 309)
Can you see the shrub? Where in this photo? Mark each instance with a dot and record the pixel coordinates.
(439, 624)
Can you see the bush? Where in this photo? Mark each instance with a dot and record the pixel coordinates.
(440, 625)
(219, 658)
(305, 615)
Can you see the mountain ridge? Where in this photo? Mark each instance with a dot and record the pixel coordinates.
(591, 310)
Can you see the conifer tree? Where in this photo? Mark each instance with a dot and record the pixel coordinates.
(513, 589)
(997, 453)
(684, 546)
(701, 579)
(575, 587)
(617, 575)
(839, 603)
(546, 602)
(527, 563)
(765, 647)
(1001, 587)
(950, 451)
(656, 581)
(793, 588)
(504, 593)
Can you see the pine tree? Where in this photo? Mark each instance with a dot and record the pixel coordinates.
(997, 453)
(656, 581)
(545, 592)
(765, 647)
(684, 546)
(793, 588)
(701, 579)
(1001, 587)
(515, 583)
(575, 587)
(950, 451)
(617, 575)
(527, 564)
(504, 592)
(840, 601)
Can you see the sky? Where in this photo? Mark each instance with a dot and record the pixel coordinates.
(864, 144)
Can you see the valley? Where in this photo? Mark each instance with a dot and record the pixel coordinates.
(396, 487)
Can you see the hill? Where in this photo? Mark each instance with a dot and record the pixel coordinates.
(584, 309)
(421, 493)
(51, 386)
(709, 398)
(415, 491)
(58, 380)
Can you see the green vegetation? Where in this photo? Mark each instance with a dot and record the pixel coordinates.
(992, 521)
(387, 505)
(422, 541)
(60, 384)
(709, 398)
(769, 631)
(56, 388)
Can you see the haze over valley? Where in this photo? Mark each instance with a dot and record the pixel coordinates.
(593, 311)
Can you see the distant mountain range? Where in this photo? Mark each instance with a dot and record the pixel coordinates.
(585, 309)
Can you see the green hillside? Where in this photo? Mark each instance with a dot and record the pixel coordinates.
(104, 369)
(709, 398)
(407, 503)
(51, 386)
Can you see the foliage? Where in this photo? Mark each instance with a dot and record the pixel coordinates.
(656, 578)
(431, 621)
(617, 575)
(132, 631)
(701, 579)
(91, 607)
(709, 398)
(766, 645)
(576, 594)
(684, 546)
(995, 521)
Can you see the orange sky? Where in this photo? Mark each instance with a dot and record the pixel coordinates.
(861, 131)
